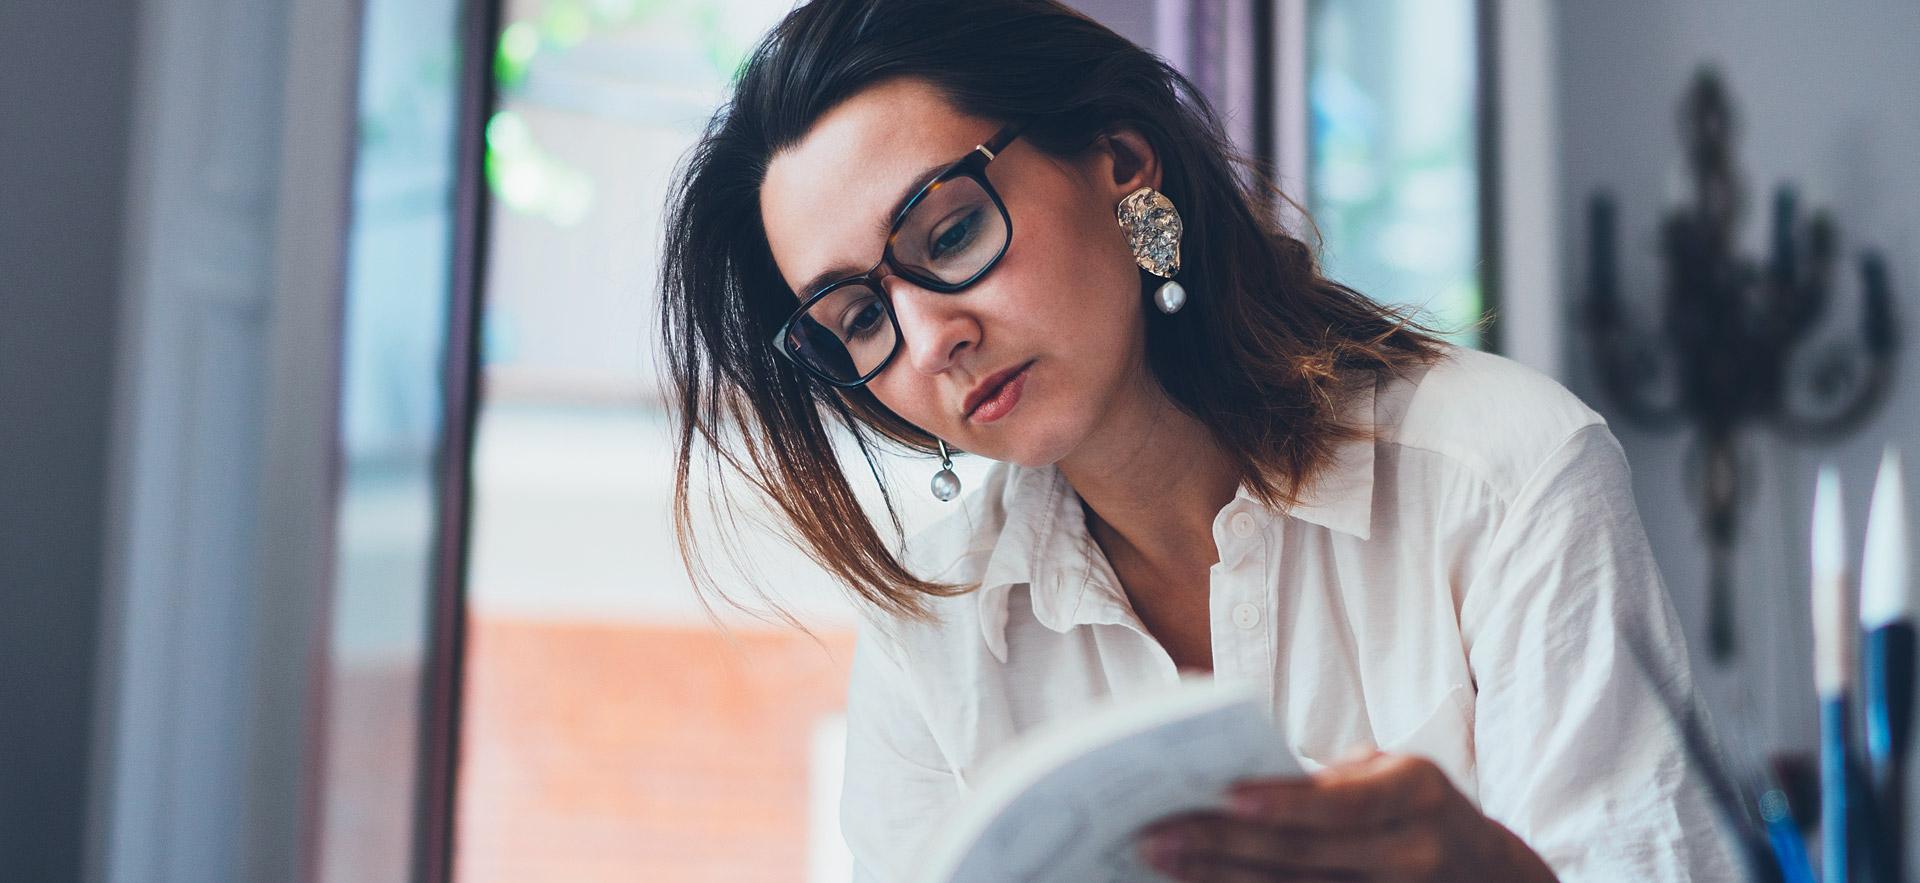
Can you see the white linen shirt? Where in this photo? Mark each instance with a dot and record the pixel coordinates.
(1471, 586)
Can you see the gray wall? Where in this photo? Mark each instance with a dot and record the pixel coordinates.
(66, 74)
(1826, 98)
(1132, 19)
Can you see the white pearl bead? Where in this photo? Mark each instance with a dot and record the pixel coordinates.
(946, 485)
(1170, 297)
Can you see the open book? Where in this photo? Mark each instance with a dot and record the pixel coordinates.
(1065, 802)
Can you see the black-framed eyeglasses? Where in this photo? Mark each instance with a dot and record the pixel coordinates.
(945, 238)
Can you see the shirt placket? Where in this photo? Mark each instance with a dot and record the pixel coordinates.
(1239, 600)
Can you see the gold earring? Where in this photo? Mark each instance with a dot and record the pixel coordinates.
(1153, 230)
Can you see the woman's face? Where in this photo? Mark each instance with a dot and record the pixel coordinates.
(1064, 300)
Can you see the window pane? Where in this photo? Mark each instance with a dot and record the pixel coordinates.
(397, 293)
(1393, 184)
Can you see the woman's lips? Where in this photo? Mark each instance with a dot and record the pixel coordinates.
(1002, 400)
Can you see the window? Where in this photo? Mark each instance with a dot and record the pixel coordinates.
(608, 728)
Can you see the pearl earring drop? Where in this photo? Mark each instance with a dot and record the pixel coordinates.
(1170, 297)
(946, 485)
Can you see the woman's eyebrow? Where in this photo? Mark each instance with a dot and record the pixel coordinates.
(884, 226)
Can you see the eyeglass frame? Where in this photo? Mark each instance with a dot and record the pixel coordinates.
(973, 165)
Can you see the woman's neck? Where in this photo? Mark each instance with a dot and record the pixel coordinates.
(1152, 482)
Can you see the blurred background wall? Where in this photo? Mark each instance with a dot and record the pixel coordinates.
(1824, 98)
(66, 109)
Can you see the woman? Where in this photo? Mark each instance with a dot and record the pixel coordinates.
(951, 226)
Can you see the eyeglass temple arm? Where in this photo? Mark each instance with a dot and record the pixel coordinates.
(1002, 138)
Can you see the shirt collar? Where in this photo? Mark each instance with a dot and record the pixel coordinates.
(1341, 498)
(1044, 543)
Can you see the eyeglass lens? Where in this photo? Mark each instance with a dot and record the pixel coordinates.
(949, 236)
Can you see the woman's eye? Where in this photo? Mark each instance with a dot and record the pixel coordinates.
(863, 320)
(955, 237)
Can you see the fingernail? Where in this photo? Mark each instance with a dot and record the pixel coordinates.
(1241, 803)
(1163, 848)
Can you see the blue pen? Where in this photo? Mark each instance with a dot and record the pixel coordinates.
(1833, 631)
(1783, 834)
(1786, 851)
(1887, 617)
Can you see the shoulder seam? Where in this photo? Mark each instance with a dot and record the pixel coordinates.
(1479, 475)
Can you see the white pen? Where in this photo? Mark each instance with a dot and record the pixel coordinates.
(1887, 618)
(1833, 631)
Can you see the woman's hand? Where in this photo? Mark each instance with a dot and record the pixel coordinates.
(1374, 816)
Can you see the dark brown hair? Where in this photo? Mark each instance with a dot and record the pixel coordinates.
(1260, 355)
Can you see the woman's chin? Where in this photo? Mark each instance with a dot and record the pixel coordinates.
(1034, 437)
(1032, 454)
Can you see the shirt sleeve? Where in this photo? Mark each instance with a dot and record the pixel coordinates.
(1582, 675)
(897, 785)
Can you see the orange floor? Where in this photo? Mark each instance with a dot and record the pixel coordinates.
(622, 752)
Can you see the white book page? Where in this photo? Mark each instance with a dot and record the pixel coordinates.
(1078, 818)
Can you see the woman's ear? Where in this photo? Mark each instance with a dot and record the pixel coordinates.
(1127, 162)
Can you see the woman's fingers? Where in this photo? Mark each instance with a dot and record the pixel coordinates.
(1225, 845)
(1378, 816)
(1218, 872)
(1202, 870)
(1376, 791)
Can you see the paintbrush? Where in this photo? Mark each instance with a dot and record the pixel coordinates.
(1833, 634)
(1887, 618)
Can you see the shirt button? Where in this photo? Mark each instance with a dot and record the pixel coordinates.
(1246, 616)
(1243, 525)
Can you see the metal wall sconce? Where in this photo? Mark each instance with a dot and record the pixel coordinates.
(1729, 349)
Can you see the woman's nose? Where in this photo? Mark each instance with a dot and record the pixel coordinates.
(934, 327)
